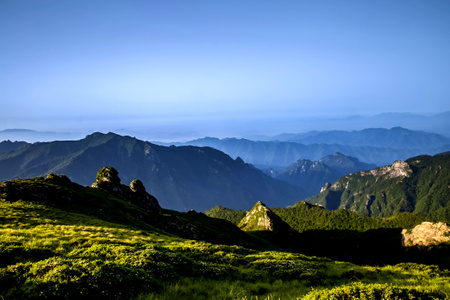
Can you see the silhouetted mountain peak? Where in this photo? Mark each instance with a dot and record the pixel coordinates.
(344, 162)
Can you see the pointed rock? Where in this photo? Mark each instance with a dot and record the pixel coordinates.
(261, 218)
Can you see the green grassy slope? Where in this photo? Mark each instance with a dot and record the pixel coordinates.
(74, 242)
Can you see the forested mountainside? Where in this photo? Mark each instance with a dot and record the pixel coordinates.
(339, 234)
(312, 176)
(182, 178)
(375, 146)
(419, 184)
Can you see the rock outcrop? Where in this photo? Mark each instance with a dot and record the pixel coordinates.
(399, 169)
(261, 218)
(426, 234)
(108, 179)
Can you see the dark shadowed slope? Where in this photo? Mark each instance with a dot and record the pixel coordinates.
(7, 146)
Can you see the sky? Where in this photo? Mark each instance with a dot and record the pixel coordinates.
(178, 66)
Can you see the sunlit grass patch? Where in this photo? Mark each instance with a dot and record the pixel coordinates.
(51, 236)
(50, 252)
(375, 291)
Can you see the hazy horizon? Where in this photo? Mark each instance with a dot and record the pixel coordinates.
(241, 128)
(219, 68)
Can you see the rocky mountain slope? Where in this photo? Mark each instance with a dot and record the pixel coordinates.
(419, 184)
(181, 178)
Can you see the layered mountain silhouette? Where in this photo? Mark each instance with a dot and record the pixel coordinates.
(396, 138)
(181, 178)
(375, 146)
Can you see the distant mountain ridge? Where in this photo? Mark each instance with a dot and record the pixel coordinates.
(181, 178)
(313, 175)
(32, 136)
(344, 164)
(395, 138)
(250, 128)
(374, 146)
(437, 123)
(378, 146)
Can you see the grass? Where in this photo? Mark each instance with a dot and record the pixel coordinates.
(50, 252)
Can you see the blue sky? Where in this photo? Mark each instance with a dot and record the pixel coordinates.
(104, 65)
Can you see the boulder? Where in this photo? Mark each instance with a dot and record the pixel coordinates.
(426, 234)
(108, 179)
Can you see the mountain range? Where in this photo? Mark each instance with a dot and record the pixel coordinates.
(262, 129)
(375, 146)
(394, 138)
(107, 239)
(208, 177)
(182, 178)
(279, 155)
